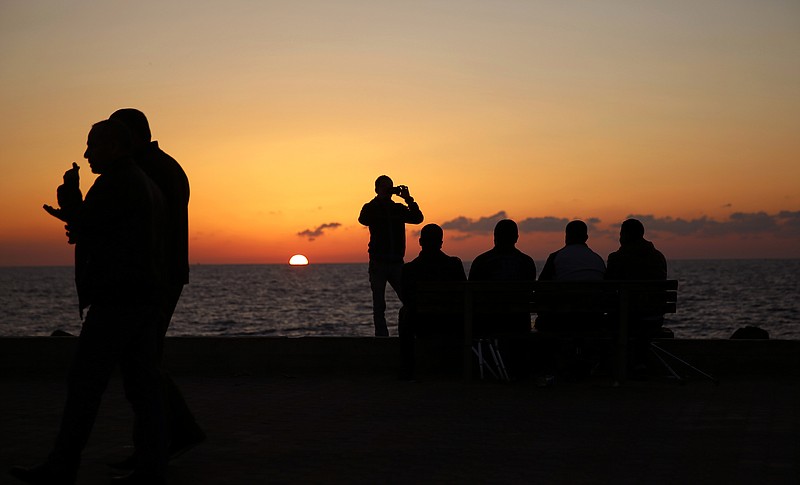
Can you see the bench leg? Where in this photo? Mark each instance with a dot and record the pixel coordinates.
(499, 371)
(477, 349)
(498, 359)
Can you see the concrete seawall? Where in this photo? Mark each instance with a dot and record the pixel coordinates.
(367, 355)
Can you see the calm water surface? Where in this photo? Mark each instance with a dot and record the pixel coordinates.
(715, 298)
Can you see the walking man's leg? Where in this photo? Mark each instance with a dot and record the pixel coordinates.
(103, 341)
(184, 431)
(139, 367)
(98, 347)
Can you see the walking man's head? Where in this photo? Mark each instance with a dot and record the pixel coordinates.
(136, 122)
(108, 141)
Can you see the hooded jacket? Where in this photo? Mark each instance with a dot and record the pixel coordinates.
(636, 260)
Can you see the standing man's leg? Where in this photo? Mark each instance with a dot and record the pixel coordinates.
(377, 281)
(394, 275)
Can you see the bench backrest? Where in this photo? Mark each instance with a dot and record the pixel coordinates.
(639, 297)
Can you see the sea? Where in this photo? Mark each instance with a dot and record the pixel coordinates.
(715, 297)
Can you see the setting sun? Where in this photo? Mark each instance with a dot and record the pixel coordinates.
(298, 260)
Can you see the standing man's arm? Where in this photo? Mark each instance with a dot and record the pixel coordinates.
(365, 217)
(413, 215)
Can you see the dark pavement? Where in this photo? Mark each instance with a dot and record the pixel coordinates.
(371, 428)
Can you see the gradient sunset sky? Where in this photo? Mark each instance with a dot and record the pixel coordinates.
(683, 113)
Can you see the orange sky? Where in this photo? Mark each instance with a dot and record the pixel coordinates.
(283, 114)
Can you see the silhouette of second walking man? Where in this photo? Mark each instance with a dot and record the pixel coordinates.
(168, 175)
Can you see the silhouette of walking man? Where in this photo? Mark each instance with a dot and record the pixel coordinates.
(387, 242)
(117, 230)
(166, 172)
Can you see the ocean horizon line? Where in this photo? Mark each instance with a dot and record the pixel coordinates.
(333, 263)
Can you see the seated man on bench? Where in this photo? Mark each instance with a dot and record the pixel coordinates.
(574, 262)
(638, 259)
(432, 264)
(505, 262)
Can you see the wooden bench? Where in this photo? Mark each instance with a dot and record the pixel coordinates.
(625, 299)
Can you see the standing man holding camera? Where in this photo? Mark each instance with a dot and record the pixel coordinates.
(386, 220)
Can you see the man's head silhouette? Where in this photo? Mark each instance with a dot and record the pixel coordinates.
(108, 141)
(384, 186)
(431, 237)
(630, 231)
(136, 122)
(576, 232)
(506, 234)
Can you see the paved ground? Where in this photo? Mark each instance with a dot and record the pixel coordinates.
(375, 429)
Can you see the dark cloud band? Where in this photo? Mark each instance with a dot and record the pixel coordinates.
(785, 223)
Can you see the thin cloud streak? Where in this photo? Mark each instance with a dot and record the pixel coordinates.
(312, 234)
